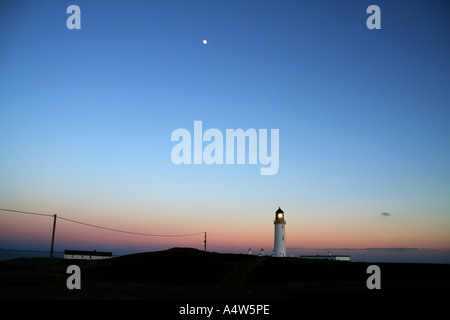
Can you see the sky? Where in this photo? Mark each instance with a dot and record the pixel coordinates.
(86, 118)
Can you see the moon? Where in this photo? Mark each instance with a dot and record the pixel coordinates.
(205, 42)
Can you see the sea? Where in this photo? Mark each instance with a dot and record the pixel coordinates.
(9, 254)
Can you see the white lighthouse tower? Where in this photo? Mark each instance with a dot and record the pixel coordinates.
(279, 248)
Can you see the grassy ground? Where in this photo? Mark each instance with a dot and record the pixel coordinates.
(188, 274)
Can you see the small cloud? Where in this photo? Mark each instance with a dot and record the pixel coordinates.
(385, 214)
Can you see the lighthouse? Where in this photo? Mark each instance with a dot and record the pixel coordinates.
(279, 248)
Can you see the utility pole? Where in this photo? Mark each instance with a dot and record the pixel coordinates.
(53, 242)
(205, 240)
(53, 235)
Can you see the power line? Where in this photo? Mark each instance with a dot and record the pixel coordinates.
(27, 212)
(105, 228)
(129, 232)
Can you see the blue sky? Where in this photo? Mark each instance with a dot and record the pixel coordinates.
(86, 115)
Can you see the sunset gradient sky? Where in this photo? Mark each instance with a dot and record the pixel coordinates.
(86, 118)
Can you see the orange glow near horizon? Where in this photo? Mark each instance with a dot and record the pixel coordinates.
(226, 236)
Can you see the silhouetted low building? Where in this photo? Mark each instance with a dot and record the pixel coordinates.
(86, 255)
(328, 257)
